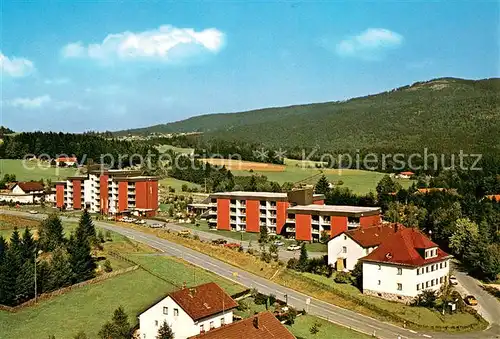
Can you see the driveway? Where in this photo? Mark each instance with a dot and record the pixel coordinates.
(488, 305)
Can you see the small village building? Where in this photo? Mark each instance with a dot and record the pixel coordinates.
(189, 312)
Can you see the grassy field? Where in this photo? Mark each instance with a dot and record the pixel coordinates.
(33, 170)
(359, 181)
(177, 184)
(327, 330)
(164, 148)
(89, 307)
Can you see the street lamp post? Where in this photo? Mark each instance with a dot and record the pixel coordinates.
(36, 254)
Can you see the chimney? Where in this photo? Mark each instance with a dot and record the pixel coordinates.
(396, 227)
(256, 322)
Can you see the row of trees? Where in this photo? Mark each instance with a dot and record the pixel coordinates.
(57, 261)
(84, 146)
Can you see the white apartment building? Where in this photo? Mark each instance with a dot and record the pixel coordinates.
(189, 312)
(347, 248)
(404, 265)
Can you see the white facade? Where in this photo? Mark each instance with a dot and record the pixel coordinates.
(343, 247)
(181, 323)
(401, 280)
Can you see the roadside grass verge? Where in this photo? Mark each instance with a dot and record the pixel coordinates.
(325, 289)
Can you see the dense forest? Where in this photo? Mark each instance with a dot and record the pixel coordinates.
(444, 115)
(83, 146)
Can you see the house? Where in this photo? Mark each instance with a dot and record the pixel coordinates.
(24, 193)
(261, 326)
(189, 312)
(493, 197)
(404, 265)
(405, 175)
(345, 249)
(31, 187)
(67, 161)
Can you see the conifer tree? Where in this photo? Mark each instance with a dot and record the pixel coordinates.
(51, 233)
(28, 245)
(165, 332)
(322, 186)
(88, 226)
(60, 271)
(82, 262)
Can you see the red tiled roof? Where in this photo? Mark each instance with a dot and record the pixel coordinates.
(66, 159)
(203, 301)
(30, 186)
(374, 235)
(261, 326)
(405, 247)
(407, 173)
(495, 197)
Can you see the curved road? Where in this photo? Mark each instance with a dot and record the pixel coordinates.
(296, 299)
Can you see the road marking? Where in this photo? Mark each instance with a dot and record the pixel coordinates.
(412, 331)
(426, 335)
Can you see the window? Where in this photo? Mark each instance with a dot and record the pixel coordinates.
(212, 326)
(165, 310)
(379, 282)
(400, 271)
(418, 271)
(441, 280)
(440, 265)
(445, 263)
(176, 312)
(400, 287)
(156, 322)
(202, 328)
(418, 287)
(344, 249)
(432, 282)
(222, 321)
(427, 269)
(426, 284)
(345, 237)
(432, 268)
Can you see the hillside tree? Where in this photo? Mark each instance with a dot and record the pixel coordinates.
(165, 332)
(322, 186)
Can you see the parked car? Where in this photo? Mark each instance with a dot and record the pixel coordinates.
(279, 243)
(33, 212)
(156, 225)
(470, 300)
(140, 222)
(219, 241)
(293, 248)
(185, 232)
(453, 280)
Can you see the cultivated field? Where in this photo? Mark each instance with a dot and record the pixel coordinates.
(234, 165)
(33, 170)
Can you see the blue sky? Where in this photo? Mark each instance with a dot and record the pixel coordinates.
(109, 65)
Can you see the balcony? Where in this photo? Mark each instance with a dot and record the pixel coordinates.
(315, 221)
(290, 229)
(212, 221)
(353, 224)
(290, 221)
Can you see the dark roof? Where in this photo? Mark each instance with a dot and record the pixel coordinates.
(30, 186)
(373, 235)
(203, 301)
(405, 247)
(261, 326)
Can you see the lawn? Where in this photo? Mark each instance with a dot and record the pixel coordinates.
(327, 330)
(164, 148)
(34, 170)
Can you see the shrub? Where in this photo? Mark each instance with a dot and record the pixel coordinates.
(342, 278)
(196, 237)
(272, 299)
(107, 266)
(242, 306)
(292, 263)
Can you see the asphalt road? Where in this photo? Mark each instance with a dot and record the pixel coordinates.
(209, 236)
(296, 299)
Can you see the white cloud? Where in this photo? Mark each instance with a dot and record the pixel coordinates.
(42, 101)
(369, 43)
(56, 81)
(15, 67)
(166, 43)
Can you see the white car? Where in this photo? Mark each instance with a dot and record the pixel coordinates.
(156, 225)
(293, 248)
(453, 280)
(140, 222)
(33, 212)
(279, 243)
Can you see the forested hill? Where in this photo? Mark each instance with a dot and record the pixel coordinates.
(446, 114)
